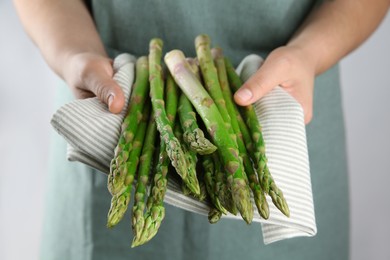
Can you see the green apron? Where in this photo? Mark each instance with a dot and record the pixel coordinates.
(77, 197)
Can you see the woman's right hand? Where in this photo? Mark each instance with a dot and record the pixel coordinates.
(89, 75)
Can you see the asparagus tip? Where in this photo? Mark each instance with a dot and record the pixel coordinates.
(214, 216)
(202, 39)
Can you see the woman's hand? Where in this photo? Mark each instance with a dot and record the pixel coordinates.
(90, 75)
(288, 67)
(65, 33)
(332, 30)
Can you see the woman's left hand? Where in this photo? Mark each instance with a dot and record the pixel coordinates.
(287, 67)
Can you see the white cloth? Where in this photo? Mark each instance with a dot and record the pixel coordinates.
(92, 133)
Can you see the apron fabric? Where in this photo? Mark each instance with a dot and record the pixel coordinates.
(77, 198)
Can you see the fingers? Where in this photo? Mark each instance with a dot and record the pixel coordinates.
(99, 81)
(270, 74)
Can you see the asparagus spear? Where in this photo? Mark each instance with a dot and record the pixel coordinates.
(215, 124)
(155, 208)
(133, 117)
(258, 153)
(120, 201)
(249, 114)
(210, 76)
(192, 159)
(143, 177)
(258, 195)
(214, 215)
(173, 146)
(190, 120)
(214, 177)
(222, 188)
(193, 135)
(209, 180)
(246, 137)
(172, 98)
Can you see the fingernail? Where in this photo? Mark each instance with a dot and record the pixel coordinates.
(110, 99)
(244, 94)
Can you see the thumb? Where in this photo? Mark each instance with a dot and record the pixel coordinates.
(259, 84)
(107, 90)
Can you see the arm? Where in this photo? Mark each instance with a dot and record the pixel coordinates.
(67, 38)
(331, 31)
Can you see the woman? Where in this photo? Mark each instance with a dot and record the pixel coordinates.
(300, 40)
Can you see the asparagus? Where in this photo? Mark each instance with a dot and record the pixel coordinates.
(194, 64)
(172, 98)
(210, 76)
(258, 195)
(258, 152)
(143, 177)
(198, 134)
(249, 114)
(222, 190)
(215, 124)
(214, 215)
(246, 137)
(173, 146)
(276, 194)
(118, 207)
(193, 135)
(210, 183)
(203, 192)
(120, 201)
(133, 117)
(192, 159)
(155, 208)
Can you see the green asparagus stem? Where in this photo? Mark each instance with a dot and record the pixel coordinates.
(210, 76)
(216, 208)
(246, 137)
(192, 159)
(215, 124)
(251, 121)
(172, 98)
(118, 168)
(173, 146)
(155, 210)
(275, 193)
(120, 201)
(258, 195)
(193, 135)
(222, 188)
(209, 179)
(155, 207)
(258, 151)
(197, 133)
(143, 177)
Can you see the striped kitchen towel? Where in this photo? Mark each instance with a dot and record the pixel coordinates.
(92, 134)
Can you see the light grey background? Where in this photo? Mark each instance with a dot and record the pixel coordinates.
(27, 88)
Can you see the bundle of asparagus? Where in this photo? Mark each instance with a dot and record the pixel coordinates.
(191, 123)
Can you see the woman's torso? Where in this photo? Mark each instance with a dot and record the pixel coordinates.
(239, 27)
